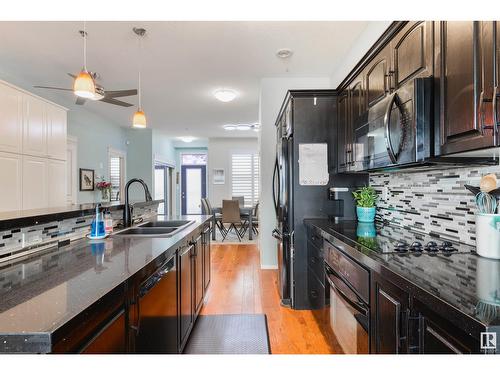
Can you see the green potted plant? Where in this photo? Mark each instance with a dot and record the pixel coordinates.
(365, 198)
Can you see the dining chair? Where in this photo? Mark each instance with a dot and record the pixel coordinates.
(207, 210)
(231, 216)
(255, 221)
(240, 199)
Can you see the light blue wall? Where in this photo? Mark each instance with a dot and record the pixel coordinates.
(163, 148)
(95, 135)
(140, 160)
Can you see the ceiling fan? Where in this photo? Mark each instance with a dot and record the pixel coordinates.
(100, 94)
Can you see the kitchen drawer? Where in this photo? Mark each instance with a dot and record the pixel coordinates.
(354, 274)
(315, 260)
(316, 290)
(314, 236)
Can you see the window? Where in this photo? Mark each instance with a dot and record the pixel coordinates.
(245, 177)
(194, 159)
(116, 173)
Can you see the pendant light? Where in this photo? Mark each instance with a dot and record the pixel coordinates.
(139, 120)
(84, 85)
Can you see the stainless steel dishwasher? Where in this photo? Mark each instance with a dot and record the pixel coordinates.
(156, 315)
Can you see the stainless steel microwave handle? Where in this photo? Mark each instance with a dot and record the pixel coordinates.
(387, 120)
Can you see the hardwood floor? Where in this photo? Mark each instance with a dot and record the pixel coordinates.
(239, 286)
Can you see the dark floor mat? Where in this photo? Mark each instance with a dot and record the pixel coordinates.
(229, 334)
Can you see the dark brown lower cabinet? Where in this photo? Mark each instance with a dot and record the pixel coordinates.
(389, 317)
(437, 335)
(186, 318)
(198, 287)
(110, 339)
(206, 258)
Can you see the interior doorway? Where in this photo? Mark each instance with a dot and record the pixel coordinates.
(163, 189)
(193, 183)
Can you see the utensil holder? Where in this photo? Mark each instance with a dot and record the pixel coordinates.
(488, 235)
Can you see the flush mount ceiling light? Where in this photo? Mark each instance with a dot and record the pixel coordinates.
(242, 127)
(187, 139)
(225, 95)
(84, 85)
(284, 53)
(139, 120)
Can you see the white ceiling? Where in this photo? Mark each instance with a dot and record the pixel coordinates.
(183, 63)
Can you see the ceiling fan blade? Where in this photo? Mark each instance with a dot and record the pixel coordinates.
(71, 75)
(53, 88)
(120, 93)
(115, 102)
(80, 101)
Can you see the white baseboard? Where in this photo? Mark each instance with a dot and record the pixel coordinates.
(268, 267)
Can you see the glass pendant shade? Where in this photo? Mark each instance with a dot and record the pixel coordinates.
(84, 85)
(139, 120)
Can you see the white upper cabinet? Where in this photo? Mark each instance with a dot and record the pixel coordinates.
(10, 181)
(56, 133)
(35, 183)
(34, 127)
(10, 119)
(57, 180)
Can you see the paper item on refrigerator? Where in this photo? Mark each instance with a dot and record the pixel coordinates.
(313, 164)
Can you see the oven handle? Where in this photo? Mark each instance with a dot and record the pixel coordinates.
(358, 306)
(387, 136)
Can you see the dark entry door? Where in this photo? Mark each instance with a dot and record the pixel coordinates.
(194, 187)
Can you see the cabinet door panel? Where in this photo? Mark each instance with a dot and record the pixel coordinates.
(389, 307)
(35, 184)
(10, 181)
(57, 183)
(10, 119)
(462, 88)
(111, 339)
(343, 118)
(34, 127)
(376, 77)
(56, 133)
(198, 276)
(412, 52)
(206, 260)
(186, 300)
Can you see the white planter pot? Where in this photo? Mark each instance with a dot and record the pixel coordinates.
(488, 235)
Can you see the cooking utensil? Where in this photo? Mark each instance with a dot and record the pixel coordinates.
(476, 189)
(486, 203)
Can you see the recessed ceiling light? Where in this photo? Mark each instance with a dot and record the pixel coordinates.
(187, 139)
(229, 127)
(244, 127)
(225, 95)
(284, 53)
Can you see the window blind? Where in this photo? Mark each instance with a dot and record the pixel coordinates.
(114, 176)
(245, 177)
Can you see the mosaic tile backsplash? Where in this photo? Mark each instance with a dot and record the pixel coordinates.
(20, 240)
(432, 201)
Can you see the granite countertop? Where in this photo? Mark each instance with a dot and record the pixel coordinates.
(13, 219)
(41, 293)
(468, 283)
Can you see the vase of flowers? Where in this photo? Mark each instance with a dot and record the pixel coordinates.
(105, 188)
(365, 198)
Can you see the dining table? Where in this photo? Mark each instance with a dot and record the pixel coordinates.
(245, 213)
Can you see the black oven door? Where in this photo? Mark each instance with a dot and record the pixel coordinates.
(349, 316)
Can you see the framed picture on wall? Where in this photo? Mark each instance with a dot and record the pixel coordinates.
(86, 179)
(219, 177)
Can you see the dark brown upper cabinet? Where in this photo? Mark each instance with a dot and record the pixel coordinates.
(357, 102)
(464, 68)
(377, 77)
(342, 124)
(412, 53)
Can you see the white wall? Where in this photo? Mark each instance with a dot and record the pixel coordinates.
(219, 156)
(272, 93)
(367, 38)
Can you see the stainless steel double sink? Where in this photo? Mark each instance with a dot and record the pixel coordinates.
(156, 228)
